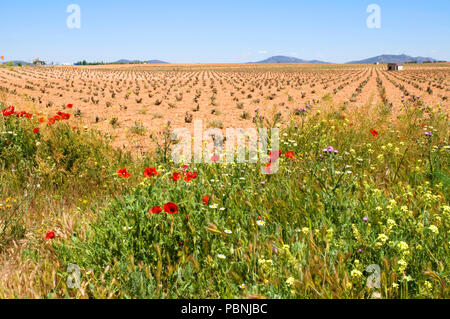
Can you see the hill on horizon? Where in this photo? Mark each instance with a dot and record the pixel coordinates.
(125, 61)
(287, 59)
(391, 58)
(16, 62)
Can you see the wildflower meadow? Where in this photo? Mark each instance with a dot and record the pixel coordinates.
(359, 207)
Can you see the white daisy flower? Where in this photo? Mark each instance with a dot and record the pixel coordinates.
(261, 223)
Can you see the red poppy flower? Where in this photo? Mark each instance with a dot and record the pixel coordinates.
(205, 200)
(190, 176)
(50, 234)
(268, 168)
(41, 120)
(66, 116)
(69, 106)
(36, 130)
(275, 155)
(150, 172)
(123, 173)
(215, 158)
(155, 210)
(51, 121)
(171, 208)
(8, 111)
(176, 176)
(290, 155)
(374, 133)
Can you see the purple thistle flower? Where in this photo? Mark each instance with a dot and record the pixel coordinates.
(330, 149)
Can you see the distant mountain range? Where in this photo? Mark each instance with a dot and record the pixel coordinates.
(287, 59)
(393, 59)
(382, 59)
(386, 58)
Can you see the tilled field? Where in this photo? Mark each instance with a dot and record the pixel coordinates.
(131, 102)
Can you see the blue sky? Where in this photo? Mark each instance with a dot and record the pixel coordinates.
(222, 31)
